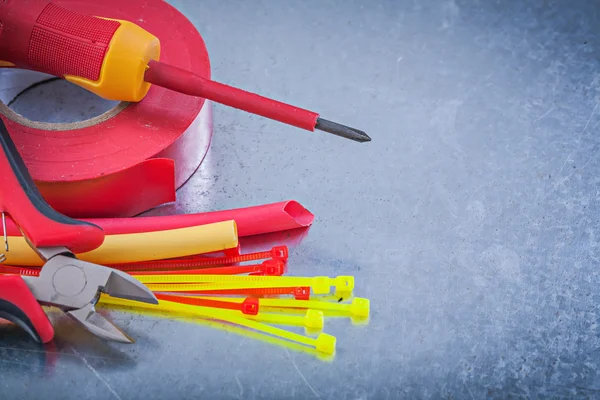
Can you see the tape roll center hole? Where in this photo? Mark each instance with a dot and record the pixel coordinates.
(58, 101)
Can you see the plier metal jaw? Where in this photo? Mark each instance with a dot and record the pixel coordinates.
(64, 281)
(75, 287)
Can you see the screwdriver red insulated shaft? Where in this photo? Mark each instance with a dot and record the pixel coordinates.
(118, 60)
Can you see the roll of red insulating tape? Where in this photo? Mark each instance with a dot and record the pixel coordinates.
(134, 157)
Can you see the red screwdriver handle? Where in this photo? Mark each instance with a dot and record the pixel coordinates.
(41, 36)
(18, 305)
(41, 225)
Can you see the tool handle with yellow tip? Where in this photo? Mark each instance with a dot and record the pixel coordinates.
(105, 56)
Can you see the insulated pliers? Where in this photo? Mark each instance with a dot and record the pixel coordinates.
(64, 281)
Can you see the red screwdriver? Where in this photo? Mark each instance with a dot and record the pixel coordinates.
(118, 60)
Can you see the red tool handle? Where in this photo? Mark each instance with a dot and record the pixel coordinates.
(39, 35)
(18, 305)
(41, 225)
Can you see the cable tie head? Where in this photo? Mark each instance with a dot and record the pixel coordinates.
(326, 343)
(302, 293)
(344, 285)
(360, 307)
(314, 319)
(279, 253)
(273, 268)
(250, 306)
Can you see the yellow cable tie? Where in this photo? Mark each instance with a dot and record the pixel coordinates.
(208, 287)
(228, 327)
(328, 314)
(324, 343)
(196, 287)
(319, 284)
(313, 319)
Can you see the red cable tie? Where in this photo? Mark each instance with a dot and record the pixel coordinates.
(277, 253)
(266, 268)
(13, 270)
(299, 293)
(250, 305)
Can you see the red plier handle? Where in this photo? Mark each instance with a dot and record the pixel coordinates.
(43, 227)
(19, 305)
(40, 224)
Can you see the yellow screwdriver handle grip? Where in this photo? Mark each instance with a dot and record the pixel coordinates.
(108, 57)
(124, 65)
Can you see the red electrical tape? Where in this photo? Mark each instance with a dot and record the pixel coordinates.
(135, 157)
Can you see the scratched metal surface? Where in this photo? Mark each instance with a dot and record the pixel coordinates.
(470, 220)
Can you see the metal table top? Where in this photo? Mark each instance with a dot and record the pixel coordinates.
(470, 221)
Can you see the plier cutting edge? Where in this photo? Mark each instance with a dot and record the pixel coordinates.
(64, 281)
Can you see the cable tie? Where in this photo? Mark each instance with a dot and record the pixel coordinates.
(276, 253)
(324, 342)
(266, 268)
(299, 293)
(358, 307)
(319, 284)
(313, 319)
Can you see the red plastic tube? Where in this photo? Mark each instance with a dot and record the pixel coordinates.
(250, 221)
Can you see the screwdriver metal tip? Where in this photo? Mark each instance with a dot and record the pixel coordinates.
(342, 130)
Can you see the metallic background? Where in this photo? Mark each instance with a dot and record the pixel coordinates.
(470, 220)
